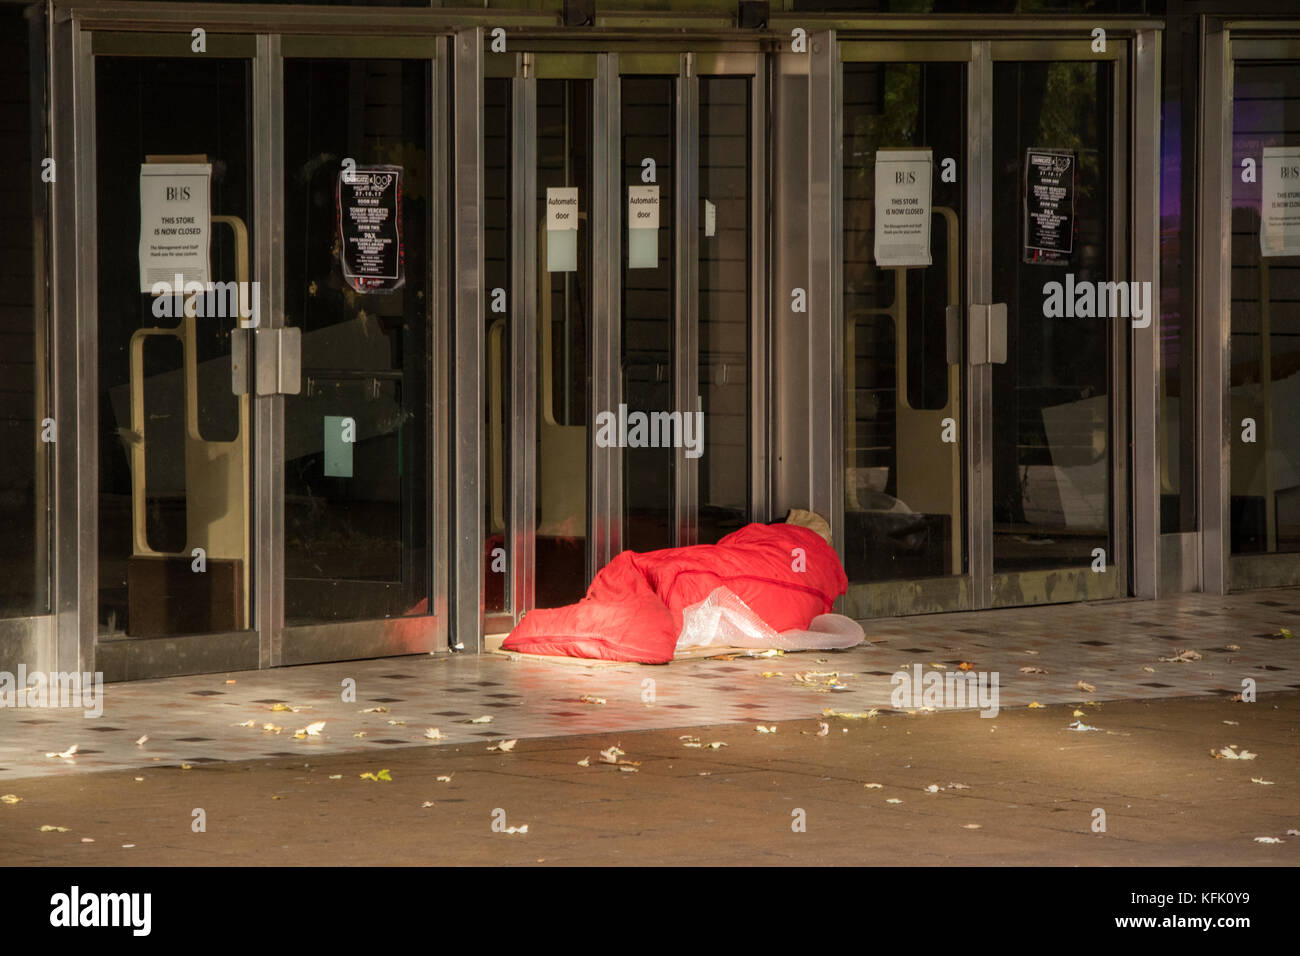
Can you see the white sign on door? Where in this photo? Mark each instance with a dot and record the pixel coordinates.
(175, 223)
(1279, 202)
(902, 207)
(561, 228)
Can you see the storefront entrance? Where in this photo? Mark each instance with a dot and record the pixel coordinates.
(267, 438)
(985, 364)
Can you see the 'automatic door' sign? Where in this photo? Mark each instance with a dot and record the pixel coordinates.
(370, 215)
(1049, 205)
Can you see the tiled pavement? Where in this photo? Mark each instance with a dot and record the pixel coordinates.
(1114, 646)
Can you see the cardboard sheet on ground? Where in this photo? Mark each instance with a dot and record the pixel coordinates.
(637, 607)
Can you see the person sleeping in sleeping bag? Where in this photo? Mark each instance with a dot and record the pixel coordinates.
(787, 573)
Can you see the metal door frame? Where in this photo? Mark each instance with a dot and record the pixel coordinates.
(1134, 45)
(1010, 589)
(153, 30)
(555, 59)
(1224, 42)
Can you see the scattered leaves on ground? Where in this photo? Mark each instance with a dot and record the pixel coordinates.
(381, 775)
(433, 733)
(1231, 753)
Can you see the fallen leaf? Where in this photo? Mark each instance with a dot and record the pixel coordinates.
(1284, 633)
(381, 775)
(359, 733)
(139, 779)
(1079, 713)
(427, 803)
(893, 800)
(128, 846)
(230, 682)
(765, 730)
(504, 746)
(1267, 783)
(247, 723)
(66, 755)
(1149, 670)
(271, 728)
(965, 666)
(627, 769)
(397, 723)
(716, 745)
(374, 710)
(486, 719)
(1181, 657)
(314, 729)
(10, 799)
(87, 839)
(1080, 725)
(591, 699)
(187, 766)
(277, 708)
(1231, 753)
(49, 829)
(1257, 839)
(336, 776)
(957, 786)
(584, 762)
(1233, 723)
(276, 796)
(1085, 686)
(433, 733)
(446, 778)
(972, 826)
(142, 741)
(1293, 832)
(874, 786)
(1033, 705)
(1232, 647)
(933, 788)
(823, 728)
(1033, 670)
(522, 829)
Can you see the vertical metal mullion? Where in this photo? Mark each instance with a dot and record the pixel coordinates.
(825, 372)
(467, 605)
(76, 343)
(267, 414)
(522, 559)
(440, 422)
(1122, 268)
(686, 323)
(605, 492)
(979, 283)
(1214, 305)
(1145, 124)
(760, 488)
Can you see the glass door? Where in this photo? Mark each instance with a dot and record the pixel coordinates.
(1262, 163)
(176, 282)
(360, 190)
(905, 450)
(1061, 296)
(986, 311)
(620, 266)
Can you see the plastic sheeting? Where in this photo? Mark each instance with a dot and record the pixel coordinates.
(724, 620)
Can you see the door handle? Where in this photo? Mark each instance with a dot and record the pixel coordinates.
(266, 361)
(987, 341)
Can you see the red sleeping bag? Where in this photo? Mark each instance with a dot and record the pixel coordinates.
(633, 609)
